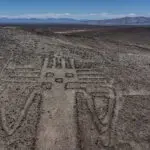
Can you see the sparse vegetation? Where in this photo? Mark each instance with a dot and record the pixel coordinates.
(62, 89)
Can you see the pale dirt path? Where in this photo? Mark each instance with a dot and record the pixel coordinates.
(72, 31)
(57, 128)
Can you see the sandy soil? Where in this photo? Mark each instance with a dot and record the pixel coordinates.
(74, 90)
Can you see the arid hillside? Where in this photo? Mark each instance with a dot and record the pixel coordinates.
(74, 87)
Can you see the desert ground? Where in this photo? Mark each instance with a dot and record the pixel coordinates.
(74, 87)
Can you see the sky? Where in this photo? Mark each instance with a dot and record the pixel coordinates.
(77, 9)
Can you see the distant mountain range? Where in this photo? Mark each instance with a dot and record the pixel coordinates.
(36, 20)
(118, 21)
(121, 21)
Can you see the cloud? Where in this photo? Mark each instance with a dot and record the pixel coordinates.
(38, 16)
(102, 15)
(109, 15)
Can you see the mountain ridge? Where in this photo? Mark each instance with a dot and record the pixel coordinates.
(116, 21)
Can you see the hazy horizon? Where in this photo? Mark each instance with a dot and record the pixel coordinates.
(85, 9)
